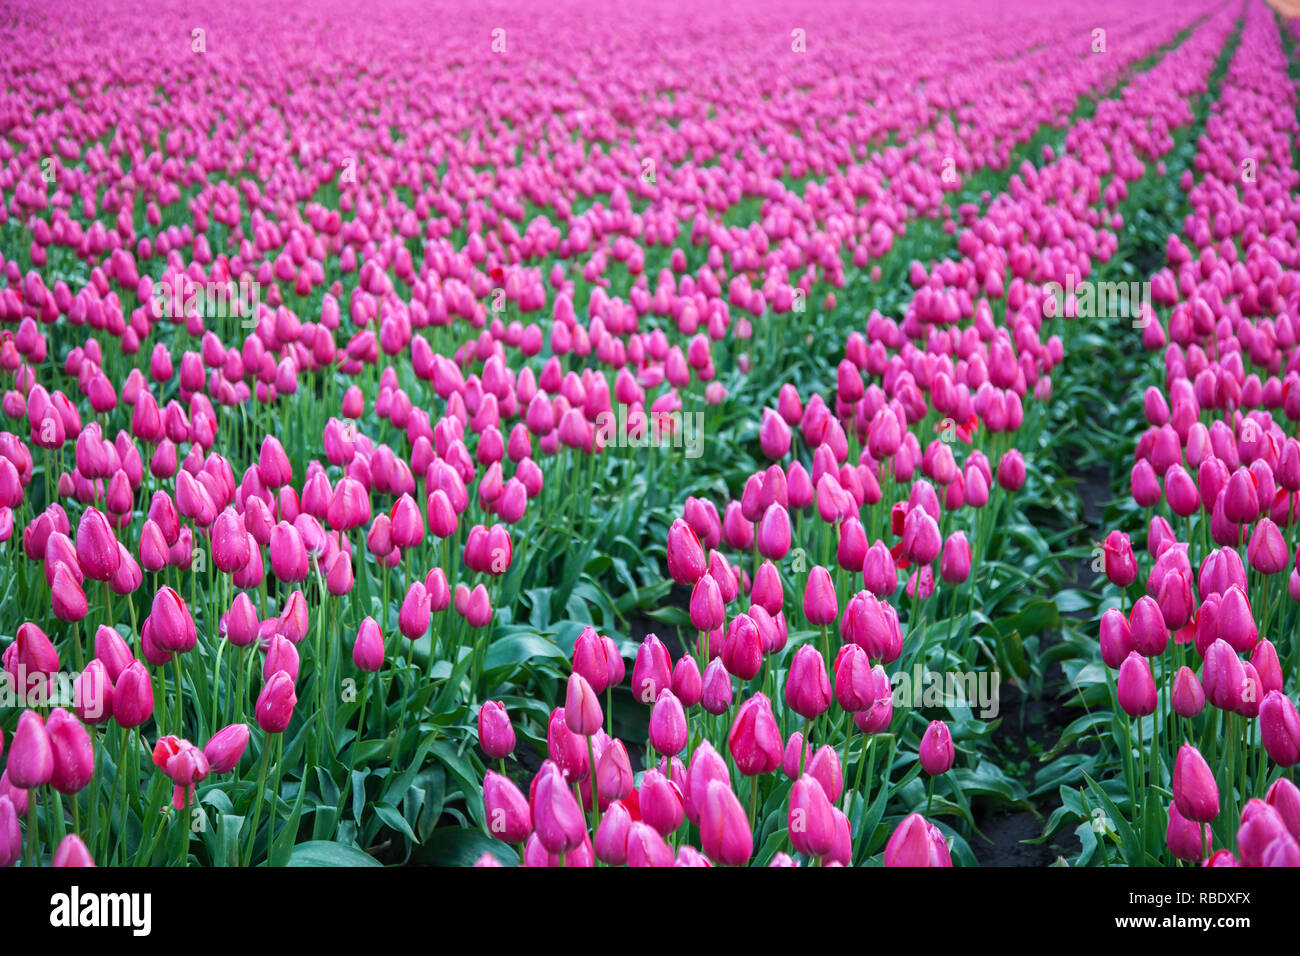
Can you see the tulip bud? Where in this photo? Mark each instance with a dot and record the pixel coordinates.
(478, 607)
(275, 703)
(768, 591)
(93, 693)
(611, 836)
(97, 550)
(937, 752)
(34, 652)
(11, 836)
(72, 852)
(170, 622)
(1241, 497)
(1147, 627)
(1222, 676)
(567, 750)
(820, 604)
(668, 730)
(687, 683)
(645, 847)
(1267, 667)
(226, 747)
(288, 553)
(810, 820)
(557, 818)
(582, 711)
(1175, 599)
(1120, 563)
(1284, 797)
(921, 538)
(1187, 696)
(716, 695)
(851, 551)
(755, 740)
(241, 621)
(589, 659)
(273, 464)
(1195, 792)
(71, 752)
(707, 607)
(1143, 483)
(1261, 827)
(1011, 471)
(855, 685)
(1279, 726)
(915, 842)
(231, 543)
(773, 536)
(506, 809)
(807, 688)
(724, 831)
(955, 562)
(652, 671)
(660, 802)
(31, 758)
(1267, 551)
(67, 599)
(614, 777)
(1116, 637)
(879, 572)
(413, 617)
(368, 649)
(685, 554)
(1236, 621)
(496, 735)
(824, 767)
(133, 696)
(1185, 838)
(742, 651)
(280, 656)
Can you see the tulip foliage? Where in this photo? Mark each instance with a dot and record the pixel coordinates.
(429, 445)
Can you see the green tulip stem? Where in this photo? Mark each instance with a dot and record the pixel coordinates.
(257, 800)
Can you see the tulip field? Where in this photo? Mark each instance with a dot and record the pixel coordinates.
(599, 435)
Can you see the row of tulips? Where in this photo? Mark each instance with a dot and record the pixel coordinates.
(1204, 662)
